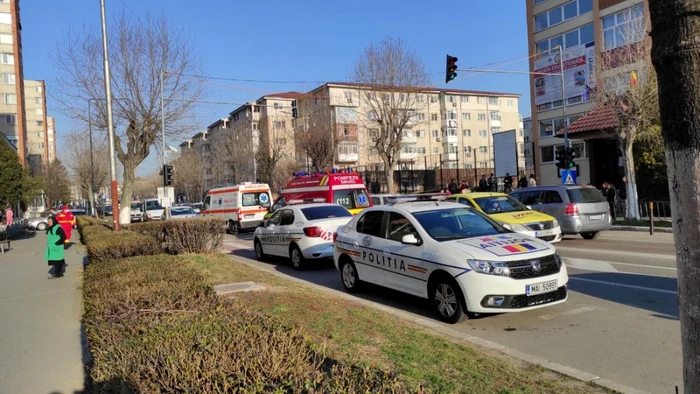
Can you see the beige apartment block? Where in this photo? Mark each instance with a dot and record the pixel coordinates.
(449, 127)
(51, 137)
(13, 123)
(589, 27)
(37, 135)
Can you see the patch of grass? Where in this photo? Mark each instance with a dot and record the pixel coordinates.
(642, 223)
(364, 336)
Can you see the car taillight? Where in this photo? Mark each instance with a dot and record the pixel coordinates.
(571, 210)
(313, 232)
(335, 235)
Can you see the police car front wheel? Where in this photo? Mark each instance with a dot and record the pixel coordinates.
(259, 255)
(447, 299)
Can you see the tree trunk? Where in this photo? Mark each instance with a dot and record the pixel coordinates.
(127, 192)
(389, 174)
(91, 200)
(631, 184)
(676, 58)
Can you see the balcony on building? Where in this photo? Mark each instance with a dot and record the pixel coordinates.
(348, 152)
(409, 136)
(409, 151)
(450, 136)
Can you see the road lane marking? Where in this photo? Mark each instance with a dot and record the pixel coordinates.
(601, 282)
(570, 312)
(607, 266)
(617, 253)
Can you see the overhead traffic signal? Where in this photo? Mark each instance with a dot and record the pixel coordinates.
(295, 110)
(167, 175)
(451, 68)
(560, 157)
(570, 155)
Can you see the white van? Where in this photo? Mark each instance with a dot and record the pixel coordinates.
(242, 206)
(152, 209)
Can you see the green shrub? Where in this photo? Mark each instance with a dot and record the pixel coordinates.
(153, 229)
(196, 235)
(110, 245)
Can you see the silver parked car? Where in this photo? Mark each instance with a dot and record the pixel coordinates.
(38, 224)
(180, 213)
(579, 209)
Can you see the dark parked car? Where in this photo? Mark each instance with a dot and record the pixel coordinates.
(579, 209)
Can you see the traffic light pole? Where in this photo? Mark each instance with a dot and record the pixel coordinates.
(563, 97)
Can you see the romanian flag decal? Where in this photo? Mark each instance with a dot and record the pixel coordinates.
(518, 248)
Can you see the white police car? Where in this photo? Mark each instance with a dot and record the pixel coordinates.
(460, 259)
(300, 232)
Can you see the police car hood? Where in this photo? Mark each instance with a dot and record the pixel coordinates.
(502, 247)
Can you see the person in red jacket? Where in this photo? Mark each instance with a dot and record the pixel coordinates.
(66, 219)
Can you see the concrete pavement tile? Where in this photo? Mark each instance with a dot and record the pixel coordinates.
(580, 375)
(620, 387)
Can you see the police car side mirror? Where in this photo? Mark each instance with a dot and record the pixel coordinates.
(410, 239)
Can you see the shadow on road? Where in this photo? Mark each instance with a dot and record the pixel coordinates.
(642, 296)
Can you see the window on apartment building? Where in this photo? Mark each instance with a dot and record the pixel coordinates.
(408, 148)
(452, 148)
(495, 115)
(624, 27)
(5, 18)
(38, 89)
(466, 116)
(433, 117)
(7, 58)
(452, 115)
(8, 79)
(279, 124)
(581, 35)
(276, 106)
(481, 100)
(419, 116)
(468, 166)
(420, 150)
(449, 133)
(10, 119)
(433, 99)
(482, 133)
(450, 99)
(466, 133)
(420, 98)
(386, 97)
(40, 112)
(10, 98)
(256, 126)
(562, 13)
(493, 101)
(483, 149)
(420, 133)
(510, 102)
(436, 133)
(436, 151)
(348, 97)
(539, 1)
(465, 99)
(547, 154)
(402, 97)
(373, 133)
(38, 100)
(40, 123)
(371, 115)
(280, 141)
(495, 130)
(256, 108)
(481, 116)
(6, 39)
(347, 149)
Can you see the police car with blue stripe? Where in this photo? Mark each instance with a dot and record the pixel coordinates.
(458, 258)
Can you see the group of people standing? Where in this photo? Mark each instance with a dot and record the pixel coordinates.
(490, 184)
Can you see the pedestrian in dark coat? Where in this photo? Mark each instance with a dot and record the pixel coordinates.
(55, 241)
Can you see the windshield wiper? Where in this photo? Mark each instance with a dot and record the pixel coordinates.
(448, 237)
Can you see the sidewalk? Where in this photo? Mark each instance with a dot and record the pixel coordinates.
(40, 321)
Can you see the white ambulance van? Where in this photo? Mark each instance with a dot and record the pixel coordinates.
(242, 206)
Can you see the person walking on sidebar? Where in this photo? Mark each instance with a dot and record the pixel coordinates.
(55, 249)
(9, 215)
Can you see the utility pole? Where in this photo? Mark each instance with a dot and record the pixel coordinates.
(110, 125)
(563, 97)
(92, 164)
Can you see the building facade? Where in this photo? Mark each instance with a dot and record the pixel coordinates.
(448, 128)
(13, 123)
(37, 127)
(51, 138)
(585, 30)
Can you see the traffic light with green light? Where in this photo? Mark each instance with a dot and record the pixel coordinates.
(451, 68)
(570, 156)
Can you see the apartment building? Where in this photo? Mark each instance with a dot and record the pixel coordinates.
(528, 150)
(37, 127)
(585, 30)
(451, 128)
(51, 138)
(13, 124)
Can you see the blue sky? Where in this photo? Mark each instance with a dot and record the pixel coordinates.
(304, 40)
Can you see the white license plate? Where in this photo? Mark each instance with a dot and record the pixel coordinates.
(541, 288)
(249, 216)
(595, 217)
(544, 233)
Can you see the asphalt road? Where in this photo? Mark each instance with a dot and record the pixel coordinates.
(620, 322)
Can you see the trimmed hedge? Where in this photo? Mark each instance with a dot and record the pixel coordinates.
(111, 246)
(197, 235)
(153, 229)
(154, 326)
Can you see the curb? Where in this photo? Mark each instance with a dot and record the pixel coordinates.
(454, 334)
(645, 229)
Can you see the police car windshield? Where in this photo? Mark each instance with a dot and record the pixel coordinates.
(457, 223)
(499, 204)
(255, 199)
(182, 211)
(325, 212)
(152, 205)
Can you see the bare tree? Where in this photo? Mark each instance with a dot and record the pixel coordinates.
(190, 175)
(140, 48)
(394, 77)
(676, 57)
(147, 186)
(57, 183)
(629, 87)
(275, 145)
(78, 161)
(316, 137)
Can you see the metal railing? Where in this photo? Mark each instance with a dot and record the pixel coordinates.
(661, 210)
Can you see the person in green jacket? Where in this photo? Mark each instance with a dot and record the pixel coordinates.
(55, 240)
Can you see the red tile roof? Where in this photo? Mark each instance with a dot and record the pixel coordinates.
(285, 95)
(599, 118)
(433, 89)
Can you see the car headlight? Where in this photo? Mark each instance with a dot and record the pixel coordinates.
(555, 223)
(518, 228)
(558, 258)
(490, 267)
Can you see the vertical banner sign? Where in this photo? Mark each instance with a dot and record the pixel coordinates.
(579, 74)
